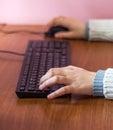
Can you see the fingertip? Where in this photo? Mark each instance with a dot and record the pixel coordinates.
(58, 35)
(49, 96)
(41, 87)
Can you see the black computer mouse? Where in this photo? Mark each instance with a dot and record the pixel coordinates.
(51, 32)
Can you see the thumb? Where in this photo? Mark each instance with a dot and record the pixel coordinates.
(64, 35)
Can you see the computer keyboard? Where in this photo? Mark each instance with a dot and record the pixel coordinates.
(40, 56)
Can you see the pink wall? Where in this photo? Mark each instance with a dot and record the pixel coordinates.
(41, 11)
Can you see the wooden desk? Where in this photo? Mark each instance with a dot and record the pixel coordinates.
(76, 113)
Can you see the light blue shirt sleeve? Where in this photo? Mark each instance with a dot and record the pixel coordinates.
(98, 83)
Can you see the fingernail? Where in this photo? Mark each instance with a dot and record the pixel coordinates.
(41, 87)
(56, 35)
(49, 96)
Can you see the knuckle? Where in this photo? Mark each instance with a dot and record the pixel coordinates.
(55, 94)
(57, 79)
(65, 90)
(70, 66)
(60, 18)
(51, 71)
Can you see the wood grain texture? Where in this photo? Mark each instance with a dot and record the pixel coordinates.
(75, 113)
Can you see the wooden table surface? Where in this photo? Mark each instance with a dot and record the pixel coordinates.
(75, 113)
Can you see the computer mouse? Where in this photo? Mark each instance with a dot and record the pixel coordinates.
(53, 30)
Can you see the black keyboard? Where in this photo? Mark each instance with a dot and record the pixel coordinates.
(40, 56)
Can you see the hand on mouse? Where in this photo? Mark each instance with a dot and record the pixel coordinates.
(76, 28)
(76, 80)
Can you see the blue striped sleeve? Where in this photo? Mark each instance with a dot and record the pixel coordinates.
(98, 83)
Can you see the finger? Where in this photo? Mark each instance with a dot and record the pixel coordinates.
(68, 34)
(52, 81)
(57, 21)
(60, 92)
(52, 72)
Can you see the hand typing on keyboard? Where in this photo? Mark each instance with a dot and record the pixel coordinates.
(76, 80)
(41, 55)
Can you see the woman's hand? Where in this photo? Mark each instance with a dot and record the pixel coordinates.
(76, 80)
(76, 28)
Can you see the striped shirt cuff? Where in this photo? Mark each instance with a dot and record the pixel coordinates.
(98, 83)
(86, 34)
